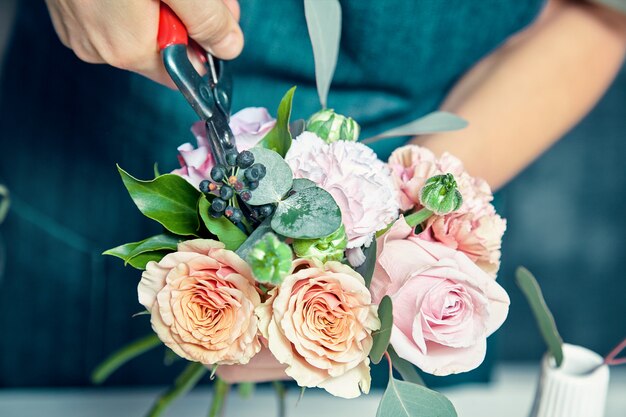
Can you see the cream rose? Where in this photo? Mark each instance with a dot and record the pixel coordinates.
(202, 300)
(319, 323)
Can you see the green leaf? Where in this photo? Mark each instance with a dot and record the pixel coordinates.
(5, 202)
(168, 199)
(220, 392)
(418, 217)
(156, 170)
(279, 138)
(277, 181)
(300, 184)
(405, 368)
(323, 19)
(435, 122)
(545, 320)
(138, 254)
(383, 335)
(123, 355)
(226, 232)
(403, 399)
(256, 235)
(188, 379)
(367, 268)
(310, 213)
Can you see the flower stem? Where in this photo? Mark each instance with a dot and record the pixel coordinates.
(418, 217)
(183, 384)
(281, 392)
(123, 355)
(220, 392)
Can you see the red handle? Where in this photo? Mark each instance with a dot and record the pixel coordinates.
(171, 30)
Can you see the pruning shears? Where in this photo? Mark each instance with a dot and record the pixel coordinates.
(208, 95)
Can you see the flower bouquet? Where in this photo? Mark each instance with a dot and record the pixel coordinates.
(304, 257)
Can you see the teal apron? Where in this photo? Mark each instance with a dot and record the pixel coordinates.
(64, 124)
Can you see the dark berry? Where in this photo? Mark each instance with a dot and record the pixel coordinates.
(237, 215)
(262, 170)
(218, 205)
(204, 186)
(229, 211)
(238, 186)
(231, 159)
(217, 173)
(215, 214)
(245, 195)
(265, 210)
(253, 185)
(245, 159)
(226, 192)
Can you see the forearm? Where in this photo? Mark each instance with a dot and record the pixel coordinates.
(526, 95)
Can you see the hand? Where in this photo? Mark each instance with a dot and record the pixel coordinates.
(123, 33)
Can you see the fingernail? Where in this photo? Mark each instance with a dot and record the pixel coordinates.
(228, 46)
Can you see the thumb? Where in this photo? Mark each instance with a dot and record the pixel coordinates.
(211, 24)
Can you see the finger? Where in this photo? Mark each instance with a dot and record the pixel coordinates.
(211, 24)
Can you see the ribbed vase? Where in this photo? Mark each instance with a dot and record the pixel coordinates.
(577, 389)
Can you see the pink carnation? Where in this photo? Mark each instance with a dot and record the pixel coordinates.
(249, 126)
(359, 182)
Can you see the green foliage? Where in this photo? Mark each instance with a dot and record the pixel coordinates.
(254, 237)
(405, 368)
(435, 122)
(329, 248)
(138, 254)
(323, 19)
(277, 181)
(404, 399)
(168, 199)
(367, 268)
(310, 213)
(227, 233)
(279, 138)
(418, 217)
(441, 195)
(123, 355)
(545, 320)
(383, 335)
(270, 259)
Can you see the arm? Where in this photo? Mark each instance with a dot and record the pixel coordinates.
(526, 95)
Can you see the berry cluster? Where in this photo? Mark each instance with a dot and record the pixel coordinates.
(227, 187)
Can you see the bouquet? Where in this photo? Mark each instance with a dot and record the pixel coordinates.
(305, 257)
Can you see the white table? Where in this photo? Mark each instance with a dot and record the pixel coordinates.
(509, 396)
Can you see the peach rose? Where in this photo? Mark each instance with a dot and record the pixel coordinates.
(202, 300)
(444, 306)
(319, 323)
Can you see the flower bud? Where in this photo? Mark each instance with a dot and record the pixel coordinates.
(332, 127)
(270, 259)
(329, 248)
(440, 194)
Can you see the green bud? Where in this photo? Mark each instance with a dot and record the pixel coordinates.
(329, 248)
(270, 259)
(332, 127)
(440, 194)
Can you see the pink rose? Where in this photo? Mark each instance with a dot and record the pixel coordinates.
(319, 323)
(444, 306)
(249, 126)
(477, 235)
(202, 300)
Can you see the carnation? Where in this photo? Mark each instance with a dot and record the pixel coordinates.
(359, 182)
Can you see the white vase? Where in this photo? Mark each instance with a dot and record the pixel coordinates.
(577, 389)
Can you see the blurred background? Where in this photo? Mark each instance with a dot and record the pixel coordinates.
(566, 223)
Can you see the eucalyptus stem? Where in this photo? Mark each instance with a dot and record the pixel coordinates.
(418, 217)
(123, 355)
(220, 392)
(183, 384)
(281, 393)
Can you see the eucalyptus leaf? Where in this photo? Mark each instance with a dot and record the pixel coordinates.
(367, 268)
(256, 235)
(311, 213)
(383, 335)
(435, 122)
(5, 202)
(227, 233)
(545, 320)
(279, 138)
(168, 199)
(405, 368)
(300, 184)
(323, 19)
(277, 181)
(403, 399)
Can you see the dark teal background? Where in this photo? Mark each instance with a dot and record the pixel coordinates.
(64, 124)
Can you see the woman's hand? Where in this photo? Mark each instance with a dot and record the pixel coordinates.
(123, 33)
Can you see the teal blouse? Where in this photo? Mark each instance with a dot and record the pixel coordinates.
(64, 124)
